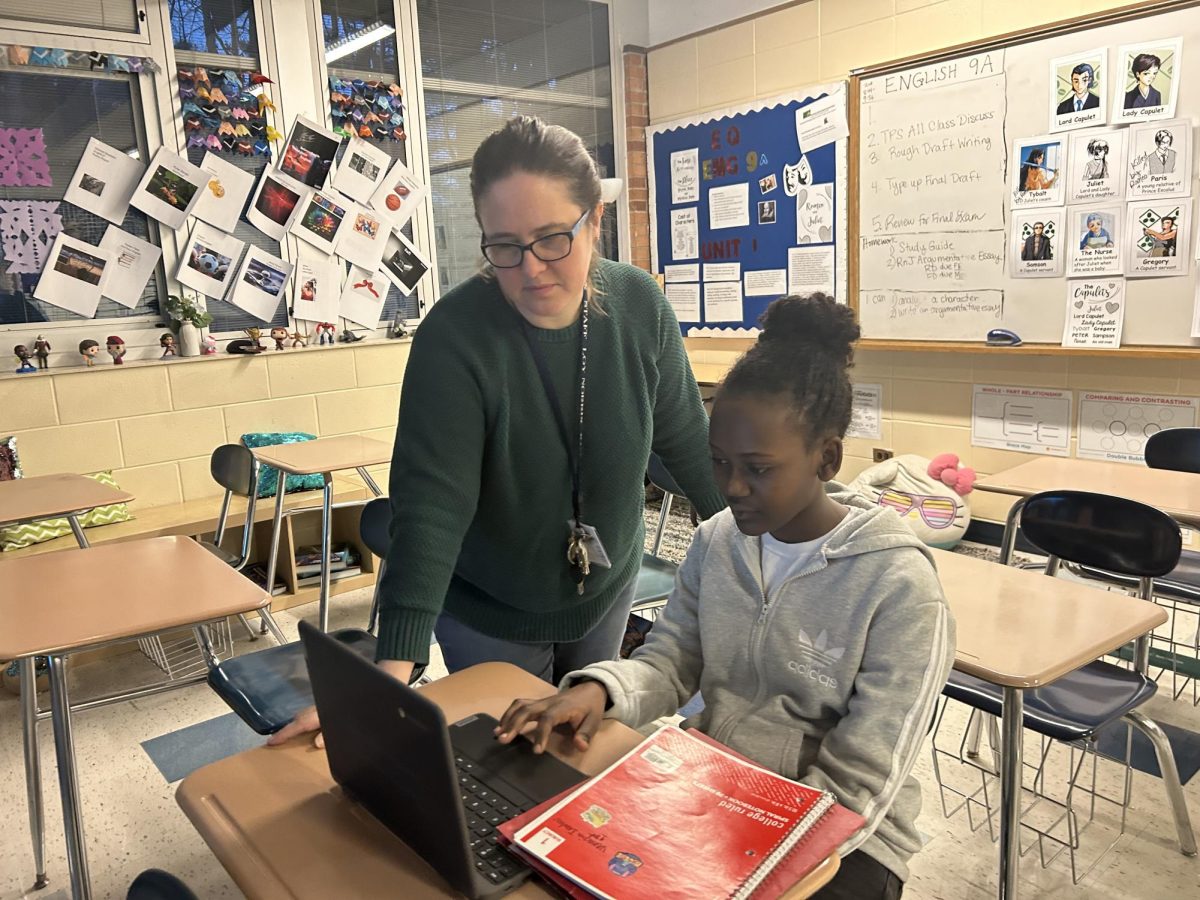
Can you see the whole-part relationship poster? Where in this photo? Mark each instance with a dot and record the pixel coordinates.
(748, 204)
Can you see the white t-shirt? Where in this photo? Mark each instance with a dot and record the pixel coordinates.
(781, 561)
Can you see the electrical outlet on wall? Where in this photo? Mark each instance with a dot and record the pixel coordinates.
(879, 454)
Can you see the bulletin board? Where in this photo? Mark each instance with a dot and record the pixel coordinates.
(742, 213)
(943, 249)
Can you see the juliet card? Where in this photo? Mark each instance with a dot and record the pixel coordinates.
(104, 181)
(170, 189)
(209, 260)
(71, 279)
(224, 197)
(363, 296)
(260, 283)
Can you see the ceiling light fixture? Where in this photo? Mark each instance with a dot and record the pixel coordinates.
(354, 42)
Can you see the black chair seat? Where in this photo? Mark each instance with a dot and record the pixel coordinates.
(267, 688)
(655, 581)
(230, 559)
(1182, 583)
(1069, 709)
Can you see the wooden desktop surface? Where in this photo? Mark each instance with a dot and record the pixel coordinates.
(280, 826)
(1022, 629)
(709, 374)
(1175, 493)
(331, 454)
(49, 496)
(64, 601)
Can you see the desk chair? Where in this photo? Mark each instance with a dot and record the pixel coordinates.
(235, 469)
(1115, 535)
(155, 884)
(656, 576)
(1176, 449)
(267, 688)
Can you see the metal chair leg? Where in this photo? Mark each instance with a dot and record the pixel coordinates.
(246, 624)
(68, 779)
(269, 623)
(1170, 778)
(27, 669)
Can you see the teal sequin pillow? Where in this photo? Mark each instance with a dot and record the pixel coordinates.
(268, 475)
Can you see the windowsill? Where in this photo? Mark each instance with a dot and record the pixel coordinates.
(183, 360)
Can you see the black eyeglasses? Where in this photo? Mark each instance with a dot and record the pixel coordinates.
(547, 248)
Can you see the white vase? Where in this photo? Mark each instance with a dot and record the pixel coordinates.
(189, 339)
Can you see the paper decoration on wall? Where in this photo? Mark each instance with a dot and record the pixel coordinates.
(260, 283)
(318, 286)
(104, 181)
(210, 260)
(403, 264)
(371, 110)
(133, 262)
(21, 55)
(324, 215)
(276, 204)
(362, 240)
(399, 195)
(221, 116)
(362, 170)
(308, 156)
(23, 161)
(170, 189)
(28, 228)
(224, 197)
(71, 279)
(363, 296)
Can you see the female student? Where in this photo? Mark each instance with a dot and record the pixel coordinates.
(811, 621)
(532, 398)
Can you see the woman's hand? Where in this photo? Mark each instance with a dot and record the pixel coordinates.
(580, 707)
(306, 720)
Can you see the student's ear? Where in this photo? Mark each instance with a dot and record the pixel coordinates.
(831, 458)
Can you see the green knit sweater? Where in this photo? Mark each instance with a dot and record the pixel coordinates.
(480, 481)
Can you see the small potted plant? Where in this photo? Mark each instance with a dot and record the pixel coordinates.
(187, 320)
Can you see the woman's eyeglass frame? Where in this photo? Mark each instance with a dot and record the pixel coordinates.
(533, 245)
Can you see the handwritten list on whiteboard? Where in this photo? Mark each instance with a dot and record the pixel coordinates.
(933, 159)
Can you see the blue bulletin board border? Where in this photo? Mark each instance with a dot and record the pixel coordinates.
(750, 145)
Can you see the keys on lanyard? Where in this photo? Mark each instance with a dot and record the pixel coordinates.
(577, 556)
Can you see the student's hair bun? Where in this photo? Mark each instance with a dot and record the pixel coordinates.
(815, 323)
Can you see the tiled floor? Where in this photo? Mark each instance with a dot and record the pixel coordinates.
(132, 820)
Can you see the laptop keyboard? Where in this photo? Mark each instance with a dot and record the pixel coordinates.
(485, 809)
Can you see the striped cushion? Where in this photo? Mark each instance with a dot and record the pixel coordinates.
(14, 537)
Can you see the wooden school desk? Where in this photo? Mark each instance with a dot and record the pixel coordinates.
(323, 457)
(1175, 493)
(1020, 629)
(277, 822)
(57, 604)
(55, 496)
(26, 500)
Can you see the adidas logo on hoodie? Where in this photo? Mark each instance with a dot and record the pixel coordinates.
(816, 657)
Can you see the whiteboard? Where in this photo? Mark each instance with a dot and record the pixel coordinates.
(935, 153)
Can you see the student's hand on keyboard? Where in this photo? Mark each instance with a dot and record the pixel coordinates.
(580, 707)
(306, 720)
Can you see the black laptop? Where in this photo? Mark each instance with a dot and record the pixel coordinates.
(442, 789)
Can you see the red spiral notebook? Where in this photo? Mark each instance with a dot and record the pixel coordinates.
(679, 817)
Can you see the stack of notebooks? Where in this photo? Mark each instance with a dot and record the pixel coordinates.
(679, 817)
(257, 572)
(343, 563)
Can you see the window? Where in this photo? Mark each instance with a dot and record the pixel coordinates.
(107, 15)
(484, 61)
(222, 34)
(378, 59)
(71, 105)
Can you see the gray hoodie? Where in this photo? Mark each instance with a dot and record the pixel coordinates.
(831, 680)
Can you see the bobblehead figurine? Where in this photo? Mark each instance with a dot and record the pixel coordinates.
(88, 350)
(41, 349)
(167, 341)
(116, 349)
(21, 352)
(279, 335)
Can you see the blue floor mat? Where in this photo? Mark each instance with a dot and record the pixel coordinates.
(179, 753)
(1185, 747)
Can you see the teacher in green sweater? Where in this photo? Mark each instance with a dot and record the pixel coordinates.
(533, 396)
